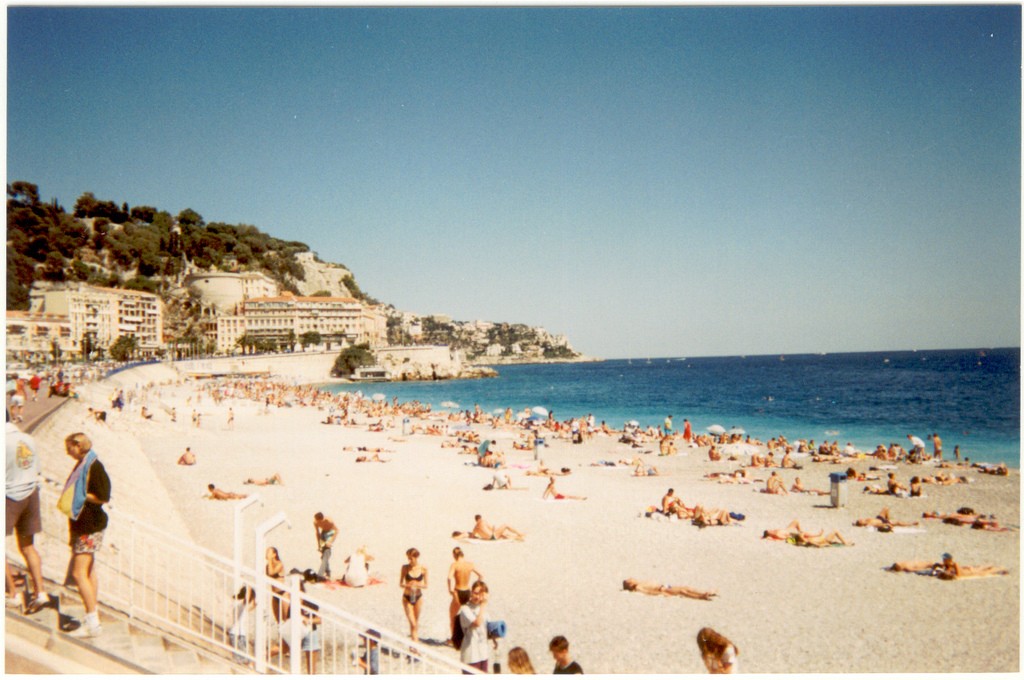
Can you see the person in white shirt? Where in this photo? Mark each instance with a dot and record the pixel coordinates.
(23, 516)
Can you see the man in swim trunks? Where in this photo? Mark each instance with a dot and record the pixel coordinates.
(487, 532)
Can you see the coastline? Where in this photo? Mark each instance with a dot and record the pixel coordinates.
(566, 577)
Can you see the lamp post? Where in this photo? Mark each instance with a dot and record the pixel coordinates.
(237, 562)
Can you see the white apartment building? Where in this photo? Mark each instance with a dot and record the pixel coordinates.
(105, 314)
(286, 317)
(100, 314)
(32, 335)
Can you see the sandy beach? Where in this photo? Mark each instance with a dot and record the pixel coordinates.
(787, 608)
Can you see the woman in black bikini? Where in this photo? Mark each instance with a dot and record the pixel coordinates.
(413, 581)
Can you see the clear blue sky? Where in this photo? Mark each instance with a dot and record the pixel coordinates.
(650, 181)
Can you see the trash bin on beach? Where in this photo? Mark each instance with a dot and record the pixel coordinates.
(537, 443)
(405, 426)
(838, 494)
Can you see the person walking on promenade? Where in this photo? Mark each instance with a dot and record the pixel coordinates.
(23, 516)
(85, 491)
(326, 532)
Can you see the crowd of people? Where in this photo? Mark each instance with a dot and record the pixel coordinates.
(90, 489)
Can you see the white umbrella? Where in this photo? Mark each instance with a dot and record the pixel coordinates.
(540, 410)
(716, 429)
(379, 397)
(449, 404)
(634, 423)
(737, 430)
(740, 448)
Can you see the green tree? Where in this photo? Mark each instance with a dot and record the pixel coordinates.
(352, 358)
(310, 338)
(124, 348)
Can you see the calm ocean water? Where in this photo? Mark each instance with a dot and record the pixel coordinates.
(969, 397)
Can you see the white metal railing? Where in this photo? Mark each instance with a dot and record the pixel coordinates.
(186, 590)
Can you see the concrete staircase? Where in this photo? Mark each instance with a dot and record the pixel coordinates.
(42, 643)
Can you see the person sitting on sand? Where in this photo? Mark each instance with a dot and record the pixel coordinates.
(502, 482)
(788, 462)
(552, 493)
(187, 458)
(704, 517)
(651, 588)
(357, 573)
(218, 495)
(882, 521)
(798, 487)
(146, 415)
(274, 480)
(717, 653)
(487, 532)
(774, 485)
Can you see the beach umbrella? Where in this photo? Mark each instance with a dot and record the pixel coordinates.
(449, 404)
(737, 430)
(634, 423)
(498, 410)
(739, 448)
(537, 417)
(716, 429)
(379, 397)
(540, 410)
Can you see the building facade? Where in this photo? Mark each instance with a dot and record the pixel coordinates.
(38, 336)
(283, 319)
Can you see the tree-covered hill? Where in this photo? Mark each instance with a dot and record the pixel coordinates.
(140, 247)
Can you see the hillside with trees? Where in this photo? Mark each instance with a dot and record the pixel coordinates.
(104, 243)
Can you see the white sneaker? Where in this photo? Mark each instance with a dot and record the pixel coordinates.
(85, 631)
(38, 604)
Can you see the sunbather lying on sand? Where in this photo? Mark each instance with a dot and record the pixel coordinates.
(947, 569)
(652, 588)
(487, 532)
(543, 471)
(881, 521)
(705, 517)
(218, 495)
(794, 533)
(269, 481)
(375, 458)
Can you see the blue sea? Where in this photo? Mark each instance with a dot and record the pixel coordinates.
(971, 398)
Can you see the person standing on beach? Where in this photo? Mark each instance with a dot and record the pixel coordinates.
(687, 431)
(85, 491)
(937, 446)
(564, 665)
(472, 617)
(326, 532)
(460, 575)
(413, 580)
(667, 426)
(23, 516)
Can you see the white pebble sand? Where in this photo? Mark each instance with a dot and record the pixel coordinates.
(788, 609)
